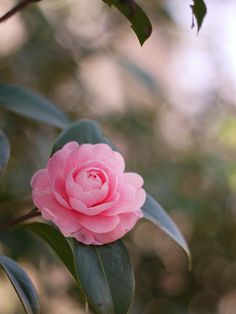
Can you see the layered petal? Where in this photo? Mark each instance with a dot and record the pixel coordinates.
(134, 179)
(40, 181)
(111, 159)
(126, 200)
(86, 194)
(127, 222)
(99, 223)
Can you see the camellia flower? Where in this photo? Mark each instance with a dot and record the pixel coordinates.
(85, 192)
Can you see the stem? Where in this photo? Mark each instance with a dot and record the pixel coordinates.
(20, 6)
(15, 221)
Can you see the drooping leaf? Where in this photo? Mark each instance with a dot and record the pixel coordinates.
(31, 105)
(22, 284)
(139, 20)
(199, 11)
(106, 275)
(56, 241)
(154, 212)
(4, 151)
(84, 131)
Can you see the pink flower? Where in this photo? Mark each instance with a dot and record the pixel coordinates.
(85, 192)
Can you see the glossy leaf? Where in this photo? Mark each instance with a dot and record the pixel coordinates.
(56, 241)
(199, 11)
(139, 20)
(31, 105)
(4, 151)
(154, 212)
(85, 131)
(22, 284)
(106, 276)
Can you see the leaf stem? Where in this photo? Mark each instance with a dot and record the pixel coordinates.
(20, 6)
(32, 214)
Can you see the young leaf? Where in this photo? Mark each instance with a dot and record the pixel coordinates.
(199, 11)
(31, 105)
(85, 131)
(4, 151)
(106, 276)
(56, 241)
(139, 20)
(22, 285)
(154, 212)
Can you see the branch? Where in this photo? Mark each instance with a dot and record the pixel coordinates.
(16, 221)
(20, 6)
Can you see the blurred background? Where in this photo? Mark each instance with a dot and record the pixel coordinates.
(170, 106)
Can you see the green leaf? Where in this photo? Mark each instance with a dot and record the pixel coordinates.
(31, 105)
(22, 284)
(4, 151)
(85, 131)
(139, 20)
(155, 213)
(106, 276)
(199, 11)
(104, 273)
(56, 241)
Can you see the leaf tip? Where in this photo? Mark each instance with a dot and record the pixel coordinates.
(199, 11)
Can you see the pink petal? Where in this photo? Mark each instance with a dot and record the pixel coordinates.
(140, 198)
(110, 158)
(100, 150)
(91, 198)
(85, 236)
(77, 205)
(80, 207)
(99, 224)
(40, 181)
(139, 213)
(113, 181)
(112, 177)
(134, 179)
(126, 200)
(66, 220)
(82, 181)
(60, 193)
(79, 157)
(101, 208)
(127, 222)
(119, 161)
(114, 162)
(71, 146)
(72, 189)
(56, 164)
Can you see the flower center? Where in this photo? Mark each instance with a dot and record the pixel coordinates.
(94, 179)
(90, 179)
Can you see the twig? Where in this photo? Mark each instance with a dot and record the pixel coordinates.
(15, 221)
(20, 6)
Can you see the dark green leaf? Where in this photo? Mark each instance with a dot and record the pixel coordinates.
(56, 241)
(139, 20)
(155, 213)
(199, 10)
(22, 284)
(106, 276)
(31, 105)
(85, 131)
(4, 151)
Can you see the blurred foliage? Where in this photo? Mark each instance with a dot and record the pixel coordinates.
(186, 157)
